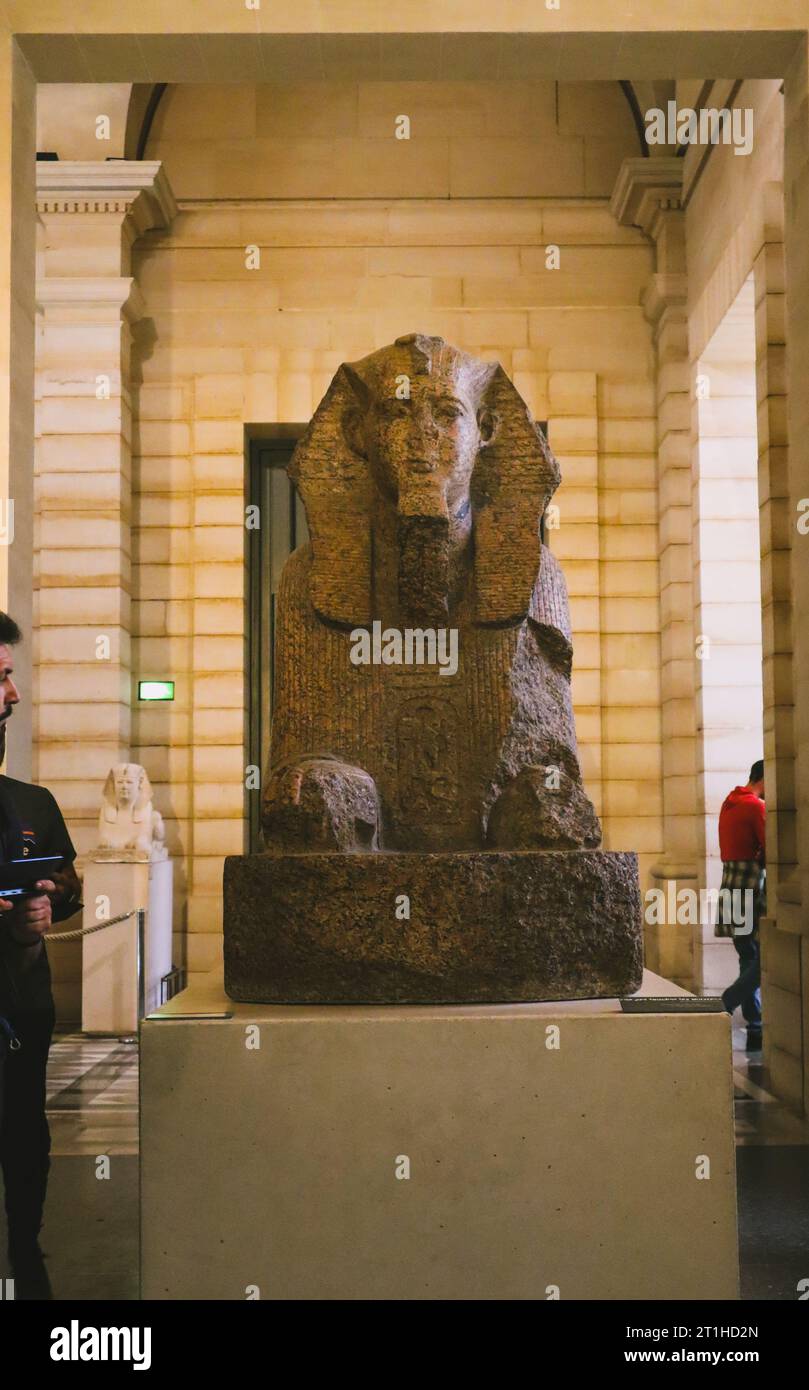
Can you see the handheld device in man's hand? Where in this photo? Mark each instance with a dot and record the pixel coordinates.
(18, 876)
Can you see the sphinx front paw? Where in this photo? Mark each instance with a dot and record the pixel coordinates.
(544, 807)
(320, 803)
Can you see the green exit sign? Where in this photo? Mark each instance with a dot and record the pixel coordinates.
(155, 690)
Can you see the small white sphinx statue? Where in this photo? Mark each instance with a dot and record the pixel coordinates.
(129, 827)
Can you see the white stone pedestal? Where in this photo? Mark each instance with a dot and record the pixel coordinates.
(271, 1143)
(109, 1001)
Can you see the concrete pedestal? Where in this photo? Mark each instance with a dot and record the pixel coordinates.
(109, 1001)
(548, 1146)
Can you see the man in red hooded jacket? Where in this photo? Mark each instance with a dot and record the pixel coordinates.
(741, 845)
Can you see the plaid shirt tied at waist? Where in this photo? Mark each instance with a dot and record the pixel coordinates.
(741, 876)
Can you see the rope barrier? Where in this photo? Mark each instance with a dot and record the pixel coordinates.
(140, 914)
(86, 931)
(79, 932)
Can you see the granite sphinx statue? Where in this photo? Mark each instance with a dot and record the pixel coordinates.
(423, 744)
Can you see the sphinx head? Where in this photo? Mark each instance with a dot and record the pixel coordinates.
(420, 421)
(127, 787)
(445, 443)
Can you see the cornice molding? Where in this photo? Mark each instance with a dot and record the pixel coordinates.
(644, 189)
(137, 189)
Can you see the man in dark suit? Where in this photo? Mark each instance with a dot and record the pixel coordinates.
(31, 825)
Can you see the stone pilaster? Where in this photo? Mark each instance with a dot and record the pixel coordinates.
(786, 1042)
(17, 332)
(784, 945)
(777, 530)
(91, 214)
(648, 195)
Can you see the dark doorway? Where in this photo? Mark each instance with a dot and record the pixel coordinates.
(276, 527)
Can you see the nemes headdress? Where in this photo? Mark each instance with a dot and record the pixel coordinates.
(514, 479)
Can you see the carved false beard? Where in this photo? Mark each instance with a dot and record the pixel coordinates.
(433, 552)
(424, 569)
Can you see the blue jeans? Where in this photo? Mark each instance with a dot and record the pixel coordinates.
(745, 990)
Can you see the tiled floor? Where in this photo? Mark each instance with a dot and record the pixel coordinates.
(90, 1236)
(760, 1119)
(91, 1231)
(93, 1096)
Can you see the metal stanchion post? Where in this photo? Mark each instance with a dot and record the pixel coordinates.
(141, 916)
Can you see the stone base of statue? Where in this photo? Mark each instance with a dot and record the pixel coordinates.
(451, 928)
(109, 1003)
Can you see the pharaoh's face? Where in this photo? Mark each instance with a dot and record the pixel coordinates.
(421, 433)
(427, 443)
(126, 784)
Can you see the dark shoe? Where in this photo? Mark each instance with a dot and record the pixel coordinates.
(754, 1039)
(31, 1280)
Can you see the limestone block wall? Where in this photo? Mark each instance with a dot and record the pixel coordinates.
(648, 195)
(239, 309)
(254, 296)
(86, 120)
(331, 137)
(222, 354)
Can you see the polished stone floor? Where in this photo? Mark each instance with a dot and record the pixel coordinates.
(772, 1175)
(91, 1230)
(93, 1096)
(90, 1235)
